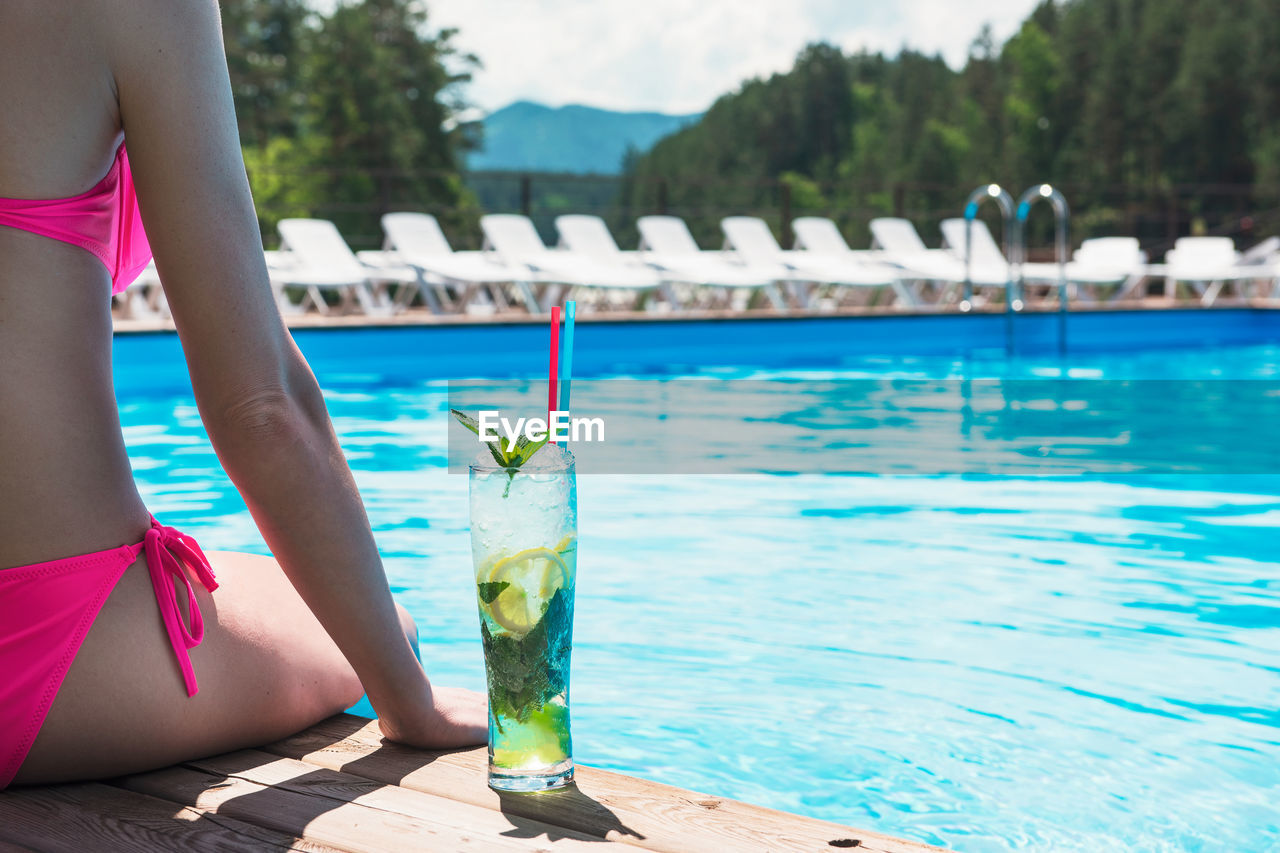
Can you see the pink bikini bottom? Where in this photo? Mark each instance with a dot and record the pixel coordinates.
(46, 610)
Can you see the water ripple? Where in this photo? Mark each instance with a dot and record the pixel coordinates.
(988, 663)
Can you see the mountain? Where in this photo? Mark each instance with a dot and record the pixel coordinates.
(527, 136)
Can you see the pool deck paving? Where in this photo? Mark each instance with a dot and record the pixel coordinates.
(423, 317)
(340, 786)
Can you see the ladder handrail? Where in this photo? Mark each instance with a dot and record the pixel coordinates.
(996, 193)
(1005, 201)
(1062, 220)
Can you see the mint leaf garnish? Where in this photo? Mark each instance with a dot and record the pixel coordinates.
(466, 420)
(506, 453)
(490, 591)
(526, 448)
(526, 673)
(497, 455)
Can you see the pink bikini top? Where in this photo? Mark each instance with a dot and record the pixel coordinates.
(104, 220)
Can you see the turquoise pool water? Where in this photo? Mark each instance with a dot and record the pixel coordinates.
(989, 663)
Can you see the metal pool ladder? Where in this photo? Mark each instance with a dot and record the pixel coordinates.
(1005, 201)
(1062, 220)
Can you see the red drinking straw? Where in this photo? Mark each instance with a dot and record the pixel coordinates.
(552, 390)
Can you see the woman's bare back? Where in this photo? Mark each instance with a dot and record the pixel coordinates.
(266, 666)
(65, 483)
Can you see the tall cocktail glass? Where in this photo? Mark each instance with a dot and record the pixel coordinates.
(524, 542)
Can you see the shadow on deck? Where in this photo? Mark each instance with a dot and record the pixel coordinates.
(340, 786)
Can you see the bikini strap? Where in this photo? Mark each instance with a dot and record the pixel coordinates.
(167, 551)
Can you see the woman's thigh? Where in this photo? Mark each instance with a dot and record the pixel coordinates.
(266, 669)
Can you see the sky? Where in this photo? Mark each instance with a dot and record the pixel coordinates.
(677, 56)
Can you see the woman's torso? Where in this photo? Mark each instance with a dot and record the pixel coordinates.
(65, 483)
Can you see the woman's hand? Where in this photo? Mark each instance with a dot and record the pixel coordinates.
(451, 717)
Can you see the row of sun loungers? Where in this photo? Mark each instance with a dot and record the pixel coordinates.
(517, 271)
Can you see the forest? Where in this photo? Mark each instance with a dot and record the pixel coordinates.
(348, 115)
(1156, 118)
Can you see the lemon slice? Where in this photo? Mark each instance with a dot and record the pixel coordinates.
(532, 576)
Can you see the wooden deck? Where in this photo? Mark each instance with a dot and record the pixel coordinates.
(339, 786)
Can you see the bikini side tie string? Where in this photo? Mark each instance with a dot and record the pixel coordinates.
(167, 551)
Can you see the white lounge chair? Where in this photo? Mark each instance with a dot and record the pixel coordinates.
(416, 240)
(589, 237)
(1266, 252)
(1207, 264)
(277, 262)
(1265, 258)
(316, 257)
(819, 235)
(668, 246)
(987, 255)
(900, 244)
(515, 241)
(1115, 254)
(751, 238)
(1111, 259)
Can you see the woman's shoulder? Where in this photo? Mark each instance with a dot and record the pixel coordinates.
(147, 27)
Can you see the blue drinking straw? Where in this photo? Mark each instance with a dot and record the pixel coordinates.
(566, 361)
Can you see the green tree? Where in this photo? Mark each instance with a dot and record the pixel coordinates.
(348, 115)
(1210, 105)
(1117, 101)
(265, 41)
(284, 179)
(1031, 107)
(383, 96)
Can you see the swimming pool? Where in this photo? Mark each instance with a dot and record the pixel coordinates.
(989, 663)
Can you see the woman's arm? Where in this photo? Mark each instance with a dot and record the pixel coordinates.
(257, 397)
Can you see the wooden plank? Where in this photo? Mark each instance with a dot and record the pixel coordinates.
(320, 805)
(291, 774)
(13, 847)
(91, 816)
(610, 805)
